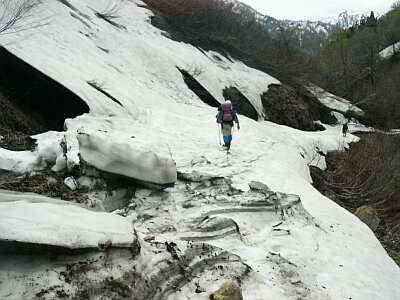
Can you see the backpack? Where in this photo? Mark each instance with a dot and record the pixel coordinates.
(227, 112)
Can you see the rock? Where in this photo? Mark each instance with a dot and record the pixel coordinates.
(202, 160)
(317, 176)
(200, 290)
(51, 181)
(259, 186)
(71, 183)
(196, 176)
(117, 199)
(149, 238)
(369, 216)
(229, 291)
(104, 245)
(294, 107)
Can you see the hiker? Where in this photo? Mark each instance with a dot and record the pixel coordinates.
(226, 116)
(345, 128)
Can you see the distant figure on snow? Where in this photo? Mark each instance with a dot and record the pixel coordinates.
(345, 128)
(226, 116)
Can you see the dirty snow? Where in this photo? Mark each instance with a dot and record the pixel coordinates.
(336, 255)
(389, 51)
(332, 101)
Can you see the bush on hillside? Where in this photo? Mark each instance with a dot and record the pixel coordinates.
(350, 67)
(220, 26)
(369, 175)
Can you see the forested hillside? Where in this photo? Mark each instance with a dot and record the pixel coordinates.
(345, 59)
(351, 66)
(226, 27)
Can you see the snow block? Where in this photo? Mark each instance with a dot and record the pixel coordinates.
(129, 158)
(60, 226)
(20, 161)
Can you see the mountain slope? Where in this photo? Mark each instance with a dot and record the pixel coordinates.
(310, 35)
(136, 64)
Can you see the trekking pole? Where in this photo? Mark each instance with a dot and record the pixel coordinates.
(219, 134)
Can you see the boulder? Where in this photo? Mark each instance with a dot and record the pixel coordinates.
(229, 291)
(295, 108)
(259, 186)
(369, 216)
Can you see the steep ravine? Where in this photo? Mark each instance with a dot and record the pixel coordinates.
(362, 180)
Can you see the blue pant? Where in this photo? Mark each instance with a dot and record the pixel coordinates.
(227, 139)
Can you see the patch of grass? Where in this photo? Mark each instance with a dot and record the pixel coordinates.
(16, 141)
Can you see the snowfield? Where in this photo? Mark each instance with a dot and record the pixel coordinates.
(389, 51)
(318, 251)
(332, 101)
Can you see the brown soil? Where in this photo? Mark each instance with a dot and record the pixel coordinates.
(51, 186)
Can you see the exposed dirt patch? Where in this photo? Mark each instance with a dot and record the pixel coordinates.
(33, 101)
(16, 125)
(16, 141)
(52, 186)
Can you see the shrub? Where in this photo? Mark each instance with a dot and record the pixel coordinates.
(368, 174)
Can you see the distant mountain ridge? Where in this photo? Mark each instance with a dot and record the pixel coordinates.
(309, 35)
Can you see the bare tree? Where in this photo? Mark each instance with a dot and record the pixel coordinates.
(12, 12)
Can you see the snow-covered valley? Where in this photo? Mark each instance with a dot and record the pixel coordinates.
(217, 222)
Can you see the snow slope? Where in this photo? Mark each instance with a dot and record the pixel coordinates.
(332, 101)
(340, 260)
(389, 51)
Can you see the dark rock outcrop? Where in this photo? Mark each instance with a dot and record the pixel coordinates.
(294, 107)
(369, 216)
(198, 89)
(241, 104)
(34, 102)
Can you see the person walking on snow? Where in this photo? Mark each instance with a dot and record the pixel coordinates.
(226, 117)
(345, 128)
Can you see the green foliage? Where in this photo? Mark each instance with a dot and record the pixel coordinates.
(350, 66)
(368, 174)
